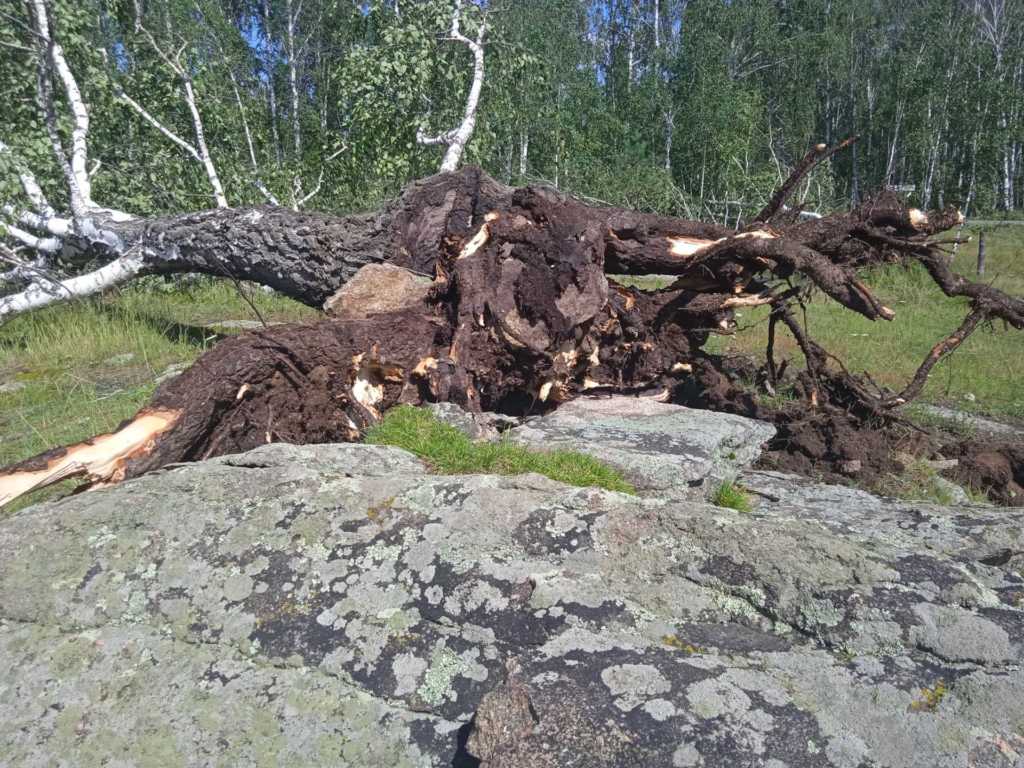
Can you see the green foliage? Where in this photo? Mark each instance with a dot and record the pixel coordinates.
(731, 495)
(701, 118)
(450, 451)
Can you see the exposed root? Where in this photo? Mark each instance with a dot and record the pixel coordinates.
(499, 299)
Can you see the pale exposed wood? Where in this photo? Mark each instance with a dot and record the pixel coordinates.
(479, 239)
(102, 459)
(688, 246)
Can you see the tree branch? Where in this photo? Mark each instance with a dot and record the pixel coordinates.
(814, 157)
(199, 151)
(145, 115)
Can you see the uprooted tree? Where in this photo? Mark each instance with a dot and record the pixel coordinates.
(468, 291)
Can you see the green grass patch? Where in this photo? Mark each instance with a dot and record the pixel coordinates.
(449, 451)
(731, 495)
(644, 282)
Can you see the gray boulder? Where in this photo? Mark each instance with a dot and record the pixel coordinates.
(339, 605)
(659, 447)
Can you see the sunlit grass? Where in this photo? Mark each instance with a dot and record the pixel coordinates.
(731, 495)
(449, 451)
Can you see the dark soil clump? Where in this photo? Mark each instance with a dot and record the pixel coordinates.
(996, 469)
(839, 445)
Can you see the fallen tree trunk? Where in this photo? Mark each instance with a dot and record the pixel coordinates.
(306, 256)
(516, 314)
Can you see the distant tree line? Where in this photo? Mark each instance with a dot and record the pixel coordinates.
(697, 107)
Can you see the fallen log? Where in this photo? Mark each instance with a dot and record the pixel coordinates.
(503, 302)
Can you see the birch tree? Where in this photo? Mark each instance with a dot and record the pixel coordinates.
(457, 138)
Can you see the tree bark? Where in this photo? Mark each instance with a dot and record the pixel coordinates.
(305, 256)
(457, 138)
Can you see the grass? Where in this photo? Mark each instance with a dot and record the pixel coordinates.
(731, 495)
(918, 482)
(449, 451)
(922, 482)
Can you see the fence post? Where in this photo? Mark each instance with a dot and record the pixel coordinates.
(981, 253)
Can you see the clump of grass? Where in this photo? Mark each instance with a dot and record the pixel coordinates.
(930, 698)
(449, 451)
(731, 495)
(919, 482)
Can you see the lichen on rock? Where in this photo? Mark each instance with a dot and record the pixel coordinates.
(341, 605)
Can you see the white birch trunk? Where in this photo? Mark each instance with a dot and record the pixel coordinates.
(41, 294)
(293, 80)
(524, 151)
(78, 176)
(203, 149)
(457, 139)
(657, 24)
(670, 128)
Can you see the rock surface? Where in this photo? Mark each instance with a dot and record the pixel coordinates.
(476, 426)
(659, 447)
(971, 421)
(377, 288)
(341, 606)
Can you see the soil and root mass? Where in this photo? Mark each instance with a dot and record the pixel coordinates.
(465, 290)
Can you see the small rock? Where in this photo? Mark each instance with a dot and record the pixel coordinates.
(10, 387)
(955, 493)
(377, 288)
(658, 446)
(476, 426)
(122, 359)
(172, 370)
(850, 466)
(245, 325)
(957, 635)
